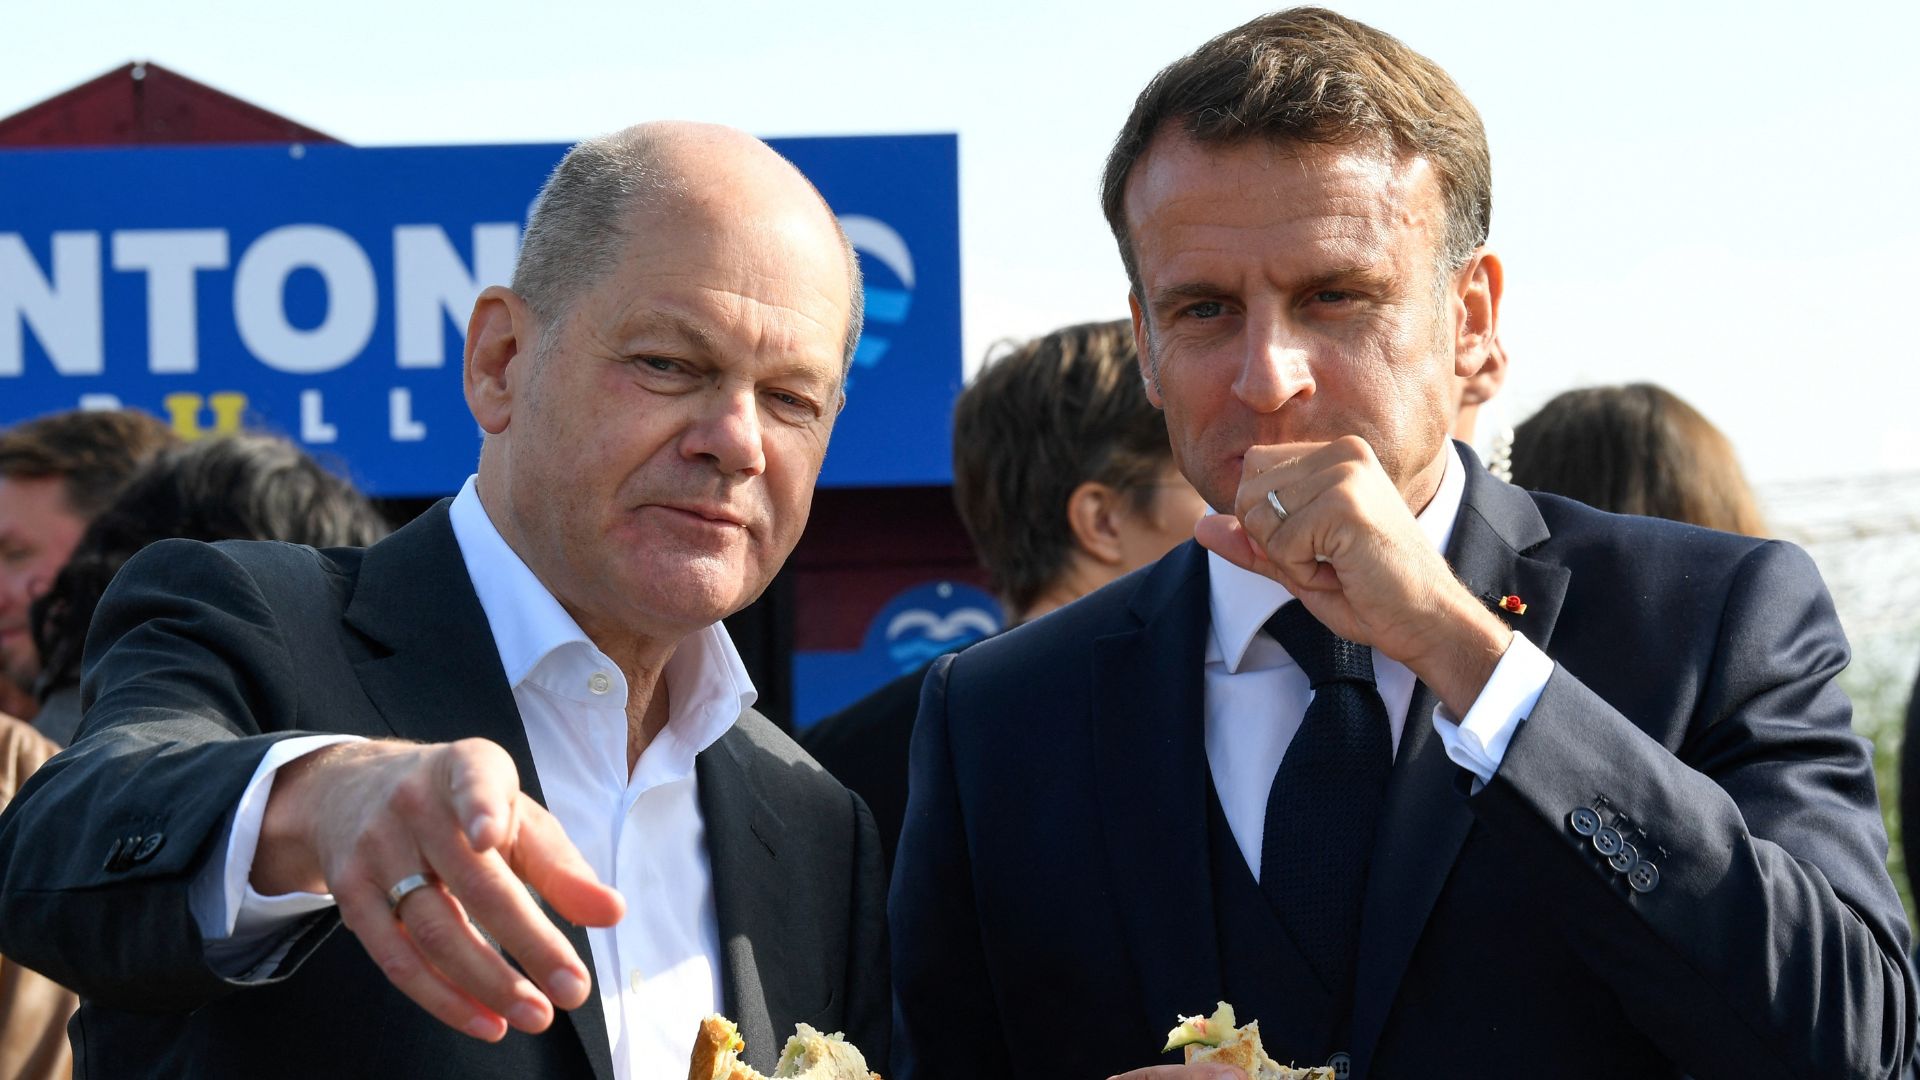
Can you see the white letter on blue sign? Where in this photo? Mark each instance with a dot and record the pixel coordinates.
(400, 422)
(313, 424)
(170, 257)
(429, 278)
(260, 282)
(65, 312)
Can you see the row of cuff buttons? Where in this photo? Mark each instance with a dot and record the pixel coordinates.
(129, 852)
(1621, 854)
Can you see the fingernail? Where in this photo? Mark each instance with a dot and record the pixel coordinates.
(484, 1027)
(564, 985)
(526, 1016)
(478, 827)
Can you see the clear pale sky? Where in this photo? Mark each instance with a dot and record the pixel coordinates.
(1718, 197)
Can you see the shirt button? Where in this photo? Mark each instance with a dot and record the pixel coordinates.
(634, 980)
(599, 683)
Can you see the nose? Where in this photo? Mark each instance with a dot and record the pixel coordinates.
(16, 590)
(1276, 367)
(727, 432)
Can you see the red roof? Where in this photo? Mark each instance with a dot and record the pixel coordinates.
(143, 102)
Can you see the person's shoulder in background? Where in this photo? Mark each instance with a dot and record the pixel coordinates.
(865, 745)
(22, 750)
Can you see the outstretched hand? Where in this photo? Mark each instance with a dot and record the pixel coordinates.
(357, 818)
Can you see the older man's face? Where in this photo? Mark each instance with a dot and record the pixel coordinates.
(664, 445)
(38, 531)
(1288, 295)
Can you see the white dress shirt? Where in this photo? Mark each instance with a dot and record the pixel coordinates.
(658, 972)
(1256, 696)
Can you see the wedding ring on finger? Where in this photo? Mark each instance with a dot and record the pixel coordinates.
(1273, 500)
(406, 887)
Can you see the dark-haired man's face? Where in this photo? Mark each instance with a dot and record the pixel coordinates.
(1288, 295)
(38, 531)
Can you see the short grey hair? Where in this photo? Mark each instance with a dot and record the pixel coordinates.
(578, 225)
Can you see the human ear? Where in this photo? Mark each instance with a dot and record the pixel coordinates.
(499, 331)
(1480, 387)
(1478, 286)
(1093, 514)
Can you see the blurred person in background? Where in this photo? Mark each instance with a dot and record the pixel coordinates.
(33, 1008)
(1636, 449)
(230, 487)
(56, 473)
(1064, 479)
(1910, 806)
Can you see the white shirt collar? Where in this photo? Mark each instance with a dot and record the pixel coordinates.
(540, 643)
(1242, 601)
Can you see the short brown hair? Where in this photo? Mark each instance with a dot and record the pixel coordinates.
(1636, 449)
(1308, 75)
(96, 451)
(242, 486)
(1034, 425)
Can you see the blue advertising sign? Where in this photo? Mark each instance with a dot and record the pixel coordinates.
(916, 625)
(323, 292)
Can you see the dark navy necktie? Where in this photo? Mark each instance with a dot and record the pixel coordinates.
(1326, 797)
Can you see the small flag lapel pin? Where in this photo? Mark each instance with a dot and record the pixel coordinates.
(1512, 602)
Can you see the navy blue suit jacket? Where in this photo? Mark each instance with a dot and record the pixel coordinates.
(1052, 913)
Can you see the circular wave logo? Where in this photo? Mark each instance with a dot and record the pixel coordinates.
(889, 293)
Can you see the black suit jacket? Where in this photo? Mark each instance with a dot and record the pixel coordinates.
(201, 657)
(1051, 906)
(865, 746)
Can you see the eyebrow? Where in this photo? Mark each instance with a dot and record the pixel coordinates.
(1207, 290)
(692, 334)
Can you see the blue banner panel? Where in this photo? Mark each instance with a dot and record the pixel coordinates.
(323, 292)
(918, 624)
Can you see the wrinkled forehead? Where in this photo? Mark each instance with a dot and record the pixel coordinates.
(36, 502)
(1284, 176)
(772, 283)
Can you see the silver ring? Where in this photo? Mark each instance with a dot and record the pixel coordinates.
(1273, 500)
(406, 887)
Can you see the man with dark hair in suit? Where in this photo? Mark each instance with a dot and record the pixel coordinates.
(1428, 775)
(510, 748)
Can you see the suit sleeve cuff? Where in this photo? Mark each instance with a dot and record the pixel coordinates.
(1478, 741)
(229, 912)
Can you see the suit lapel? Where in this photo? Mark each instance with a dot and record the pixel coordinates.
(434, 674)
(1425, 819)
(752, 898)
(1150, 772)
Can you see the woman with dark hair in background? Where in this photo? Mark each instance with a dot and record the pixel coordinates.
(1636, 449)
(231, 487)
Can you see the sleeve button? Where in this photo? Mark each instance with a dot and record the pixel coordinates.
(1644, 877)
(1607, 841)
(1585, 821)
